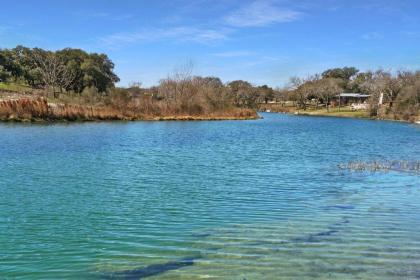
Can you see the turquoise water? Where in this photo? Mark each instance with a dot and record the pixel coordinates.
(257, 199)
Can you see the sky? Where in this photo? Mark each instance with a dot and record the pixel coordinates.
(261, 41)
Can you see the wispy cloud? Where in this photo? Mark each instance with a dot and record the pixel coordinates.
(257, 13)
(401, 10)
(97, 14)
(388, 7)
(372, 36)
(411, 34)
(234, 54)
(102, 15)
(261, 13)
(266, 60)
(183, 33)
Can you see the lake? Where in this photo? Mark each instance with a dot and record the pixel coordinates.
(260, 199)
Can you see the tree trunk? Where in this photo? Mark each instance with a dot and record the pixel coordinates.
(339, 103)
(328, 108)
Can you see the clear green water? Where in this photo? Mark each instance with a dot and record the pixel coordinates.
(208, 200)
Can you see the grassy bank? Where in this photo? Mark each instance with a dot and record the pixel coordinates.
(347, 112)
(344, 112)
(13, 87)
(335, 112)
(313, 111)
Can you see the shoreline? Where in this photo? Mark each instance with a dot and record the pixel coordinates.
(343, 113)
(25, 109)
(149, 119)
(345, 117)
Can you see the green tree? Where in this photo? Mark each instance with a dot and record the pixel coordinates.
(29, 71)
(73, 59)
(98, 72)
(244, 94)
(340, 73)
(343, 75)
(4, 75)
(266, 93)
(356, 85)
(10, 63)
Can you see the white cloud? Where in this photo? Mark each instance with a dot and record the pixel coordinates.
(261, 13)
(183, 33)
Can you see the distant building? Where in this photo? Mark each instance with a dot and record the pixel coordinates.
(350, 98)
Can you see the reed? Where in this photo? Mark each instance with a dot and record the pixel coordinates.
(39, 109)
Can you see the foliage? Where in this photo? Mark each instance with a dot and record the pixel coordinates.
(4, 75)
(342, 76)
(67, 70)
(266, 94)
(391, 95)
(408, 101)
(80, 77)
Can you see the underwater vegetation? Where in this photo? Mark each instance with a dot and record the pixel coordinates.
(151, 270)
(156, 269)
(394, 165)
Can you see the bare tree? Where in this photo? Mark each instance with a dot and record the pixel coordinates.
(302, 89)
(54, 73)
(328, 89)
(295, 83)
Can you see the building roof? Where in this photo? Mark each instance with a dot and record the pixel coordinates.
(354, 95)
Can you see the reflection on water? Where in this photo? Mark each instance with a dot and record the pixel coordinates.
(221, 200)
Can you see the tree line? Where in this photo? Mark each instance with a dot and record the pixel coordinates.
(67, 70)
(75, 75)
(390, 93)
(183, 93)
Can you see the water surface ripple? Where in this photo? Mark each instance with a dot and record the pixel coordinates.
(257, 199)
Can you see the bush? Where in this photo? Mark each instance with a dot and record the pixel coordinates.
(408, 102)
(90, 95)
(4, 75)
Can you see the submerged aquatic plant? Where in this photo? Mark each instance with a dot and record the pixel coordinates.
(152, 270)
(393, 165)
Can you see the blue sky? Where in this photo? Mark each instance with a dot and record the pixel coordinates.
(264, 42)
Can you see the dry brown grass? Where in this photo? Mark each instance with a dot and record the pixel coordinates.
(39, 109)
(23, 109)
